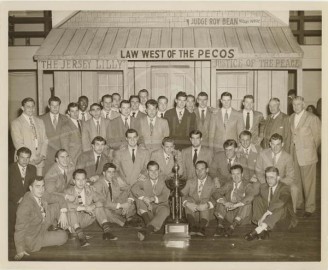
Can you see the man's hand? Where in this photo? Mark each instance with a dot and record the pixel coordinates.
(191, 206)
(233, 206)
(63, 221)
(216, 182)
(20, 200)
(228, 205)
(202, 207)
(94, 178)
(147, 201)
(70, 198)
(20, 255)
(125, 207)
(90, 208)
(253, 179)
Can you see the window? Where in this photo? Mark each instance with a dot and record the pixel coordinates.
(110, 82)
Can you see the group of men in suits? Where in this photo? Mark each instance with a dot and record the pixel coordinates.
(125, 149)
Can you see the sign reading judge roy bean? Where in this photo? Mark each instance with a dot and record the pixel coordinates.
(223, 21)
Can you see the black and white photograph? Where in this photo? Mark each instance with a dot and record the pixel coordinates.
(142, 132)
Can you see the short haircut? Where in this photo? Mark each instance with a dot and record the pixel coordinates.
(98, 139)
(59, 152)
(134, 96)
(236, 167)
(109, 165)
(24, 150)
(191, 96)
(168, 139)
(95, 105)
(129, 131)
(72, 105)
(143, 91)
(36, 178)
(202, 162)
(152, 102)
(152, 163)
(124, 101)
(229, 142)
(226, 94)
(83, 97)
(106, 96)
(274, 99)
(291, 92)
(275, 137)
(79, 171)
(271, 169)
(162, 97)
(248, 96)
(202, 94)
(55, 99)
(181, 94)
(299, 98)
(245, 133)
(116, 94)
(28, 99)
(196, 132)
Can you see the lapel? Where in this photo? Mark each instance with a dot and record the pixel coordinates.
(36, 206)
(292, 121)
(138, 157)
(48, 123)
(302, 120)
(24, 122)
(127, 158)
(161, 160)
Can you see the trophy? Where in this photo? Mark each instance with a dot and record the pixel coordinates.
(176, 233)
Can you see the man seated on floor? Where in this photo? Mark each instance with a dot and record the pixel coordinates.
(234, 203)
(152, 202)
(119, 206)
(272, 206)
(196, 197)
(87, 207)
(36, 213)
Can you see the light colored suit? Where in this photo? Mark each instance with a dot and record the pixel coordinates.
(204, 126)
(204, 154)
(218, 134)
(89, 132)
(112, 114)
(166, 168)
(153, 141)
(257, 128)
(251, 157)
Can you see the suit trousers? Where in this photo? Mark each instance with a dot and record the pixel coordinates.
(306, 182)
(198, 215)
(116, 216)
(158, 213)
(243, 212)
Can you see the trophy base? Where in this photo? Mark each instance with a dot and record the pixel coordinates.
(176, 235)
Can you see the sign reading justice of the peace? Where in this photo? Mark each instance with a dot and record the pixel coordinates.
(222, 21)
(178, 54)
(82, 64)
(258, 63)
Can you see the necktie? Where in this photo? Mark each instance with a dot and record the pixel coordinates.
(274, 159)
(23, 174)
(110, 190)
(133, 114)
(55, 122)
(180, 117)
(247, 122)
(83, 116)
(65, 176)
(97, 163)
(167, 159)
(154, 186)
(195, 157)
(162, 115)
(270, 195)
(34, 131)
(43, 210)
(226, 119)
(98, 128)
(79, 199)
(246, 153)
(233, 193)
(133, 156)
(79, 125)
(203, 116)
(107, 114)
(200, 188)
(126, 123)
(229, 164)
(151, 126)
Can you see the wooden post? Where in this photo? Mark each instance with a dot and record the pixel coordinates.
(40, 90)
(213, 90)
(299, 85)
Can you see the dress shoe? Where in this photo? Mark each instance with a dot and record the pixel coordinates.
(251, 236)
(228, 232)
(219, 231)
(54, 228)
(143, 234)
(109, 236)
(84, 242)
(201, 232)
(193, 230)
(263, 235)
(307, 215)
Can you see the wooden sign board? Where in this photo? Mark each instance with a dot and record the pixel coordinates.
(223, 21)
(258, 63)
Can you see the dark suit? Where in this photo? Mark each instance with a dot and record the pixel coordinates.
(257, 128)
(180, 131)
(204, 126)
(87, 162)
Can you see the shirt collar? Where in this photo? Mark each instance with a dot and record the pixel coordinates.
(202, 181)
(274, 116)
(200, 110)
(96, 155)
(180, 110)
(300, 114)
(99, 120)
(20, 167)
(198, 149)
(123, 117)
(27, 117)
(236, 186)
(154, 120)
(228, 110)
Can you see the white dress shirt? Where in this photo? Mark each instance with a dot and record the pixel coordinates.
(251, 117)
(223, 111)
(298, 117)
(274, 116)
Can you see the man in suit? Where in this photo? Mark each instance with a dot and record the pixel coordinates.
(84, 114)
(36, 213)
(131, 161)
(277, 157)
(305, 142)
(190, 103)
(71, 138)
(272, 206)
(143, 97)
(152, 128)
(194, 153)
(116, 102)
(86, 208)
(118, 126)
(196, 199)
(233, 203)
(53, 122)
(181, 121)
(165, 157)
(119, 205)
(223, 161)
(29, 131)
(203, 116)
(21, 174)
(225, 124)
(162, 106)
(95, 126)
(93, 160)
(152, 197)
(135, 113)
(253, 120)
(107, 112)
(276, 122)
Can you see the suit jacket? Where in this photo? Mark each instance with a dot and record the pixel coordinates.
(54, 179)
(166, 169)
(145, 189)
(251, 157)
(219, 167)
(180, 132)
(161, 129)
(190, 191)
(278, 125)
(116, 132)
(89, 131)
(284, 164)
(139, 116)
(257, 128)
(30, 225)
(306, 138)
(204, 154)
(113, 114)
(22, 135)
(129, 170)
(218, 134)
(87, 162)
(204, 127)
(71, 140)
(16, 187)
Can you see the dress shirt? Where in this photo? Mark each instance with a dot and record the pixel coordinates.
(298, 117)
(135, 113)
(96, 155)
(159, 114)
(95, 121)
(104, 113)
(21, 170)
(277, 157)
(75, 122)
(153, 122)
(274, 116)
(29, 122)
(178, 112)
(135, 151)
(154, 183)
(235, 186)
(118, 205)
(82, 194)
(52, 117)
(251, 117)
(273, 190)
(86, 115)
(232, 160)
(193, 151)
(223, 111)
(199, 183)
(166, 157)
(200, 111)
(129, 119)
